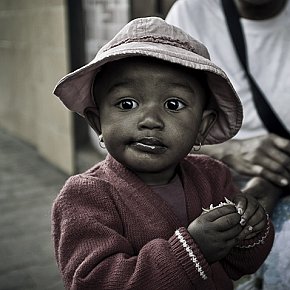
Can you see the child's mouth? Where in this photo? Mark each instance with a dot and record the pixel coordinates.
(149, 145)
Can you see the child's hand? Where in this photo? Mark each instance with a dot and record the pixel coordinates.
(216, 232)
(253, 216)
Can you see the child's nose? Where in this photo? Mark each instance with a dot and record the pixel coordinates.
(151, 119)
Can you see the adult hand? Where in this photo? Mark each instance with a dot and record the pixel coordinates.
(267, 156)
(216, 232)
(264, 191)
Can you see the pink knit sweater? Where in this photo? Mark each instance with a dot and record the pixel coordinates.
(111, 231)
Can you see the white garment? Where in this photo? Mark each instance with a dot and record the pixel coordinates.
(268, 46)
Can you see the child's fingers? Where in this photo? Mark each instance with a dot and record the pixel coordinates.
(254, 226)
(219, 212)
(248, 230)
(241, 203)
(251, 209)
(228, 221)
(246, 235)
(255, 230)
(259, 219)
(232, 233)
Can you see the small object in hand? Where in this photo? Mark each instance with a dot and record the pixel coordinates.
(228, 202)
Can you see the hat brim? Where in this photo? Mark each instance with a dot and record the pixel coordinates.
(75, 89)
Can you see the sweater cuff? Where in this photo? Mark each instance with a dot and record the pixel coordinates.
(257, 240)
(189, 255)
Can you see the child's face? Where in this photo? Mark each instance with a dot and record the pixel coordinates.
(150, 114)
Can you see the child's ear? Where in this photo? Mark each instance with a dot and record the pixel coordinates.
(208, 119)
(92, 116)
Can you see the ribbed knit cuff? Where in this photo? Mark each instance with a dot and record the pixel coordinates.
(189, 255)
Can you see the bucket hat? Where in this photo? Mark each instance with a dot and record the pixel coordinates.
(153, 37)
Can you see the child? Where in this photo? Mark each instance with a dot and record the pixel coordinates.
(136, 219)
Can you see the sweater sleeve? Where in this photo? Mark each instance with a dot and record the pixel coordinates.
(92, 250)
(249, 255)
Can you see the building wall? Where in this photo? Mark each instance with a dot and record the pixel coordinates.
(150, 8)
(103, 19)
(33, 56)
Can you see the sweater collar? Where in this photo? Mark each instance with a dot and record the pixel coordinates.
(141, 190)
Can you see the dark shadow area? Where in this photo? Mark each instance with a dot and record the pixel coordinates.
(28, 186)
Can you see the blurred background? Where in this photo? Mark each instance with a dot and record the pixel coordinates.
(41, 143)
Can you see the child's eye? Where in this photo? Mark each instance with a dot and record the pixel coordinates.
(127, 104)
(174, 105)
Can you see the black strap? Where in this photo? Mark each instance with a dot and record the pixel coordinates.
(267, 115)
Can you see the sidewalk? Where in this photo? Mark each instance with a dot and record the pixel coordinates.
(28, 186)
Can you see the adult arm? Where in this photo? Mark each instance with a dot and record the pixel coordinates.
(265, 192)
(266, 156)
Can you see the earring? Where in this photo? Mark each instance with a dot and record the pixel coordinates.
(101, 141)
(197, 148)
